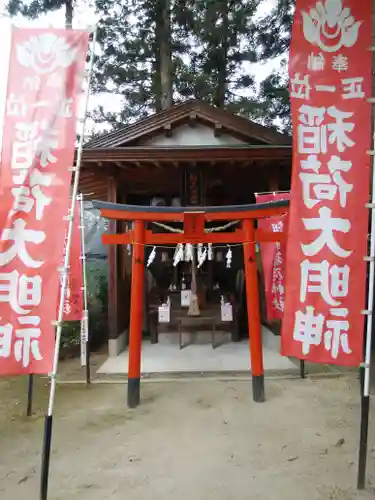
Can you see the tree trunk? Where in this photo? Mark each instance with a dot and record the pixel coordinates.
(68, 13)
(164, 41)
(156, 80)
(223, 58)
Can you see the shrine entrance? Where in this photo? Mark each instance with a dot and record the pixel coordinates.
(194, 233)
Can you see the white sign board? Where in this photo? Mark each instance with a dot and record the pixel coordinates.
(226, 312)
(83, 353)
(164, 314)
(185, 298)
(84, 337)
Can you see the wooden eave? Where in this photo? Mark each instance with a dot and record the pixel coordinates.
(190, 154)
(139, 167)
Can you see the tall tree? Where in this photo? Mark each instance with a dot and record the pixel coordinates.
(137, 43)
(207, 45)
(222, 54)
(274, 41)
(275, 30)
(222, 49)
(273, 100)
(163, 43)
(35, 8)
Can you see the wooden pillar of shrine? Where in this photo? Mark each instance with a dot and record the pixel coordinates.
(136, 314)
(253, 311)
(113, 332)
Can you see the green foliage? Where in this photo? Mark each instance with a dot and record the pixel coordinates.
(213, 43)
(125, 65)
(275, 29)
(32, 9)
(274, 96)
(273, 41)
(221, 50)
(70, 335)
(97, 295)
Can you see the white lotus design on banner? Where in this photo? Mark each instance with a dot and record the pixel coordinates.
(45, 53)
(330, 26)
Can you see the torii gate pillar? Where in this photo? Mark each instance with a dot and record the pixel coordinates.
(253, 311)
(136, 315)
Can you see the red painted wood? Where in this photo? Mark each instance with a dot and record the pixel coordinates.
(194, 224)
(136, 310)
(252, 297)
(179, 216)
(174, 238)
(262, 236)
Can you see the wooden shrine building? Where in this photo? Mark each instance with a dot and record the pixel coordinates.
(192, 154)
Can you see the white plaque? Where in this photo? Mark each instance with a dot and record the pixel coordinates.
(164, 314)
(185, 298)
(226, 312)
(84, 337)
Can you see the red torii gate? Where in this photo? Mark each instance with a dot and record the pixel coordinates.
(193, 219)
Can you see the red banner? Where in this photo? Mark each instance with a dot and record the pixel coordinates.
(73, 305)
(273, 257)
(330, 83)
(45, 77)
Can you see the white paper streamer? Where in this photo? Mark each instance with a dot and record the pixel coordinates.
(179, 254)
(188, 252)
(210, 254)
(151, 257)
(229, 257)
(202, 255)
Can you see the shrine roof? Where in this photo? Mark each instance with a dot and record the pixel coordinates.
(190, 112)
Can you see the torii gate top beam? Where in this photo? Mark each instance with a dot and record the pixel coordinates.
(118, 211)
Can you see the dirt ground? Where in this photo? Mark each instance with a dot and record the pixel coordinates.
(190, 439)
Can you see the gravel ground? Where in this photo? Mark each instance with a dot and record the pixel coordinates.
(190, 439)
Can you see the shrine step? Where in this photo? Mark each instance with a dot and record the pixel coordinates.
(200, 337)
